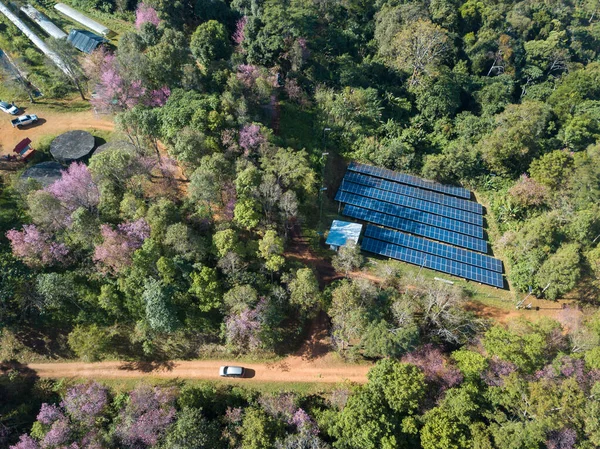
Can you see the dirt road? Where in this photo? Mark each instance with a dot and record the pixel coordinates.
(50, 123)
(291, 369)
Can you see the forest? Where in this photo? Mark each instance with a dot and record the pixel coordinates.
(177, 241)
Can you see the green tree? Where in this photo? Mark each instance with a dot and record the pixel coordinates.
(519, 136)
(70, 66)
(159, 312)
(192, 431)
(419, 48)
(551, 169)
(525, 344)
(90, 343)
(270, 249)
(258, 430)
(379, 415)
(210, 42)
(560, 272)
(304, 290)
(348, 258)
(205, 286)
(449, 426)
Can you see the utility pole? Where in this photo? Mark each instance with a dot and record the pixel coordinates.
(323, 188)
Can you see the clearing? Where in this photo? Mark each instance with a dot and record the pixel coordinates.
(50, 123)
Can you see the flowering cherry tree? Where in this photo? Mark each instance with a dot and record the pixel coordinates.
(304, 423)
(242, 329)
(119, 244)
(146, 14)
(76, 188)
(251, 138)
(36, 247)
(85, 402)
(240, 28)
(26, 442)
(435, 366)
(114, 91)
(146, 416)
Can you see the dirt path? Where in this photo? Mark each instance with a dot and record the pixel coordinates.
(50, 123)
(291, 369)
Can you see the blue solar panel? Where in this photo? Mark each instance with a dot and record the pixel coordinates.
(410, 214)
(435, 248)
(427, 195)
(413, 203)
(433, 262)
(430, 232)
(408, 179)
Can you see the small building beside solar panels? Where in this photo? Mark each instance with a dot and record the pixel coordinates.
(342, 232)
(84, 40)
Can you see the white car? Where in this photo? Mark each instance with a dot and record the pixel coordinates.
(8, 108)
(231, 371)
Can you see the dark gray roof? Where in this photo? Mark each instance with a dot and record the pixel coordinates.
(84, 40)
(45, 173)
(72, 146)
(115, 145)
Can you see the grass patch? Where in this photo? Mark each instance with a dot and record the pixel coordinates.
(296, 127)
(303, 388)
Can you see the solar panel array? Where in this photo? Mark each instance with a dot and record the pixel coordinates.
(413, 227)
(434, 197)
(435, 248)
(431, 225)
(410, 214)
(413, 203)
(433, 262)
(408, 179)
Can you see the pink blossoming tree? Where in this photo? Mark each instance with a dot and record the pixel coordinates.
(119, 244)
(146, 14)
(76, 188)
(146, 416)
(36, 248)
(239, 33)
(251, 138)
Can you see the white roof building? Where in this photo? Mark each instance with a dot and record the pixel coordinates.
(342, 232)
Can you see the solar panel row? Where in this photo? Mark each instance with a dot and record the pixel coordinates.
(433, 262)
(427, 195)
(410, 214)
(413, 203)
(435, 248)
(430, 232)
(408, 179)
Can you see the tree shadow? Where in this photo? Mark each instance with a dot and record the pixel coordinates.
(148, 366)
(11, 366)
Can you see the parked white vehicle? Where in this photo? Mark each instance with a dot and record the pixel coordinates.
(231, 371)
(24, 120)
(8, 108)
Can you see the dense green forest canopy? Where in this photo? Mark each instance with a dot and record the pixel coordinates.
(175, 242)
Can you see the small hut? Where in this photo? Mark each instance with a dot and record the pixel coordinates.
(84, 40)
(342, 232)
(45, 173)
(72, 146)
